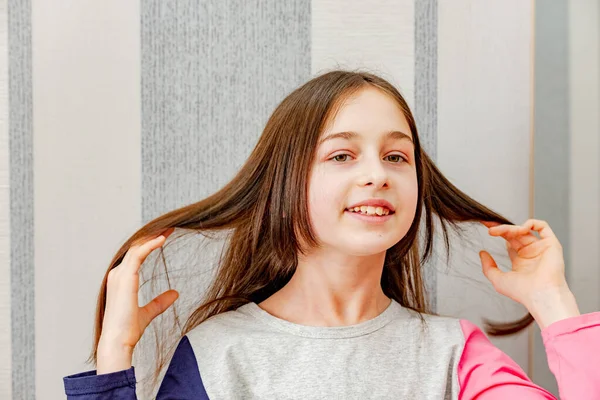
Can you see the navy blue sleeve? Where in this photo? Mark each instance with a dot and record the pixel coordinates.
(182, 381)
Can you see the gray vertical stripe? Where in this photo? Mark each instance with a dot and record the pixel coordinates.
(552, 143)
(426, 59)
(212, 72)
(5, 311)
(21, 199)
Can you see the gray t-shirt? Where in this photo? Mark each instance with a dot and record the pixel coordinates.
(249, 353)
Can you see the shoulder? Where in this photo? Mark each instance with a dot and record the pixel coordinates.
(440, 329)
(429, 332)
(224, 327)
(478, 347)
(467, 340)
(464, 335)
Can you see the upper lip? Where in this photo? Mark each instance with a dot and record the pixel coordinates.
(374, 203)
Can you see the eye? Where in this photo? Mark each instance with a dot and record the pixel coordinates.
(394, 158)
(397, 158)
(344, 155)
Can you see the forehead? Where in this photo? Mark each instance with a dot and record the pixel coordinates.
(369, 111)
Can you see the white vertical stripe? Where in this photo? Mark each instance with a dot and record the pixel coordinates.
(5, 326)
(484, 115)
(86, 74)
(375, 35)
(584, 93)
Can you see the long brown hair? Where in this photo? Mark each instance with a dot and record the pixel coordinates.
(264, 207)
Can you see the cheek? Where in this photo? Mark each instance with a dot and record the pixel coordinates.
(409, 194)
(412, 191)
(325, 198)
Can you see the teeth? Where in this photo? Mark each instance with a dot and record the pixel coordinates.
(370, 210)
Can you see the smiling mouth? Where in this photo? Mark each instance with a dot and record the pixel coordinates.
(371, 211)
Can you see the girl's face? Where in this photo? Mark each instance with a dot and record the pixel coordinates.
(366, 153)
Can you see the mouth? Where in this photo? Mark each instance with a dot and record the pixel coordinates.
(380, 219)
(371, 211)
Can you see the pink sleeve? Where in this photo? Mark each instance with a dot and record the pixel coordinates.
(573, 349)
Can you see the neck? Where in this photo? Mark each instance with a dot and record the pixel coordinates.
(332, 290)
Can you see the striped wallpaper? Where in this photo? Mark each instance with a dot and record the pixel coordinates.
(112, 113)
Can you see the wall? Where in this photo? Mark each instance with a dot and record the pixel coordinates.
(112, 113)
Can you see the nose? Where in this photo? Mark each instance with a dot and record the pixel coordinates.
(374, 173)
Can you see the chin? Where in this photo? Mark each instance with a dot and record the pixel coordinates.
(369, 247)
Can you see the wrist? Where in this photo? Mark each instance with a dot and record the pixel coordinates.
(113, 358)
(552, 305)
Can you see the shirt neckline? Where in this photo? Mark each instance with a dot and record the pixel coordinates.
(393, 311)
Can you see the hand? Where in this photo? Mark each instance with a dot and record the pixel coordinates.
(537, 279)
(124, 321)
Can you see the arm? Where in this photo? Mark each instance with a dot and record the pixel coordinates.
(182, 381)
(573, 350)
(572, 345)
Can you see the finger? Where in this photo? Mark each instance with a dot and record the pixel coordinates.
(137, 254)
(534, 249)
(140, 242)
(509, 230)
(491, 270)
(150, 244)
(521, 241)
(489, 224)
(540, 227)
(513, 244)
(156, 307)
(518, 236)
(512, 252)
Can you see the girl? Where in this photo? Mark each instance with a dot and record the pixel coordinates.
(319, 294)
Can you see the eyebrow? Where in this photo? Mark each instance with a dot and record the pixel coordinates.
(349, 135)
